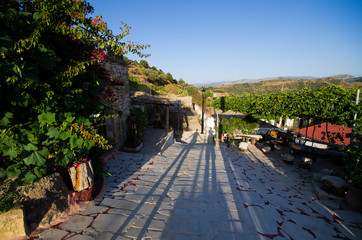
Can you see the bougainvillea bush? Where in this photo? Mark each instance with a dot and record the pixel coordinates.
(50, 80)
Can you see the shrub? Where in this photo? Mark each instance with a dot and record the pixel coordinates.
(171, 89)
(238, 125)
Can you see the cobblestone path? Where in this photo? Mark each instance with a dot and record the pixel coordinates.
(198, 190)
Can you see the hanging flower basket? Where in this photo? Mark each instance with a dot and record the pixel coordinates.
(82, 176)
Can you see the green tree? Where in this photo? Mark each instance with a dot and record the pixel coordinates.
(169, 77)
(144, 63)
(181, 82)
(50, 81)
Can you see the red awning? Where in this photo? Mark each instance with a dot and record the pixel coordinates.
(320, 133)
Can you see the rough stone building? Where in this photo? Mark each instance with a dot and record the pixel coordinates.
(116, 127)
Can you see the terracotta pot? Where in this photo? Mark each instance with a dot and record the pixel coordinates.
(354, 198)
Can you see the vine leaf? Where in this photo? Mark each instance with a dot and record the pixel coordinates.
(8, 147)
(63, 157)
(63, 134)
(37, 15)
(31, 147)
(46, 118)
(75, 142)
(37, 158)
(67, 117)
(6, 119)
(13, 171)
(39, 172)
(89, 144)
(28, 178)
(52, 132)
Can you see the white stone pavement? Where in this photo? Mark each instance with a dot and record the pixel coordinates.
(198, 190)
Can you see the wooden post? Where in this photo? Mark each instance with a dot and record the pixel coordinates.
(202, 116)
(357, 102)
(167, 117)
(178, 116)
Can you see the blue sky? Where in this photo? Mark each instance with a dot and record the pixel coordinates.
(203, 41)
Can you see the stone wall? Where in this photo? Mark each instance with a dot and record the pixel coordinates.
(116, 127)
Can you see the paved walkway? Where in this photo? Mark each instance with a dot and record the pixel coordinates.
(196, 190)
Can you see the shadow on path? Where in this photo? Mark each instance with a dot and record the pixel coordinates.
(198, 190)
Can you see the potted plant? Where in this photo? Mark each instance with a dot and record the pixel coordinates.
(353, 170)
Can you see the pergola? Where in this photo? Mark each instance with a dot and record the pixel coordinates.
(160, 101)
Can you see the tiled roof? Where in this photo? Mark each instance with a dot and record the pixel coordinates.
(320, 133)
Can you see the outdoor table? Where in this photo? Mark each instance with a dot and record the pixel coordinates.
(246, 137)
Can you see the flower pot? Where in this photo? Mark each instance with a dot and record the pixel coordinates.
(354, 198)
(82, 176)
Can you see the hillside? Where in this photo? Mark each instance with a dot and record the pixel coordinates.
(283, 84)
(148, 79)
(154, 81)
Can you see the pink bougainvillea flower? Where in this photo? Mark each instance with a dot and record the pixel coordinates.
(84, 160)
(76, 164)
(98, 54)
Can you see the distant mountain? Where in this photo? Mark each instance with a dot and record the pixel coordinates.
(348, 77)
(345, 77)
(286, 84)
(342, 76)
(296, 77)
(249, 80)
(212, 84)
